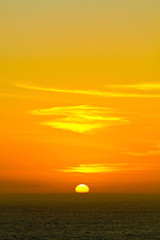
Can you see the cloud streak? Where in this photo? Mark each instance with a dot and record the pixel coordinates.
(91, 92)
(80, 119)
(154, 152)
(109, 168)
(139, 86)
(93, 168)
(144, 154)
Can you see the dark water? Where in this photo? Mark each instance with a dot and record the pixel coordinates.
(78, 216)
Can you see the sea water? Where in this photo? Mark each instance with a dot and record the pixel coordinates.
(79, 216)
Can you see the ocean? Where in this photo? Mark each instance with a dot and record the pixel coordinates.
(79, 216)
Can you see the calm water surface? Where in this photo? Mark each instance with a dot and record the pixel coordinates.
(80, 216)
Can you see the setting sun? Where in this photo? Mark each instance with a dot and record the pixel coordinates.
(82, 188)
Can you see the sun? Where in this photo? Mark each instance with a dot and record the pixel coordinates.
(82, 188)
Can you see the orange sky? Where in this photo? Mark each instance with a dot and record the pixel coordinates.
(80, 96)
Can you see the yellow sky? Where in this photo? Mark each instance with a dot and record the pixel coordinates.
(80, 96)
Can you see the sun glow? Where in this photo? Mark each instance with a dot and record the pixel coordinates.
(82, 188)
(80, 96)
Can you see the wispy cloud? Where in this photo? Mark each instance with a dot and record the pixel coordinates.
(93, 168)
(155, 151)
(109, 168)
(139, 86)
(91, 92)
(81, 119)
(74, 127)
(141, 154)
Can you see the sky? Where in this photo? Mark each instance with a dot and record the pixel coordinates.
(80, 95)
